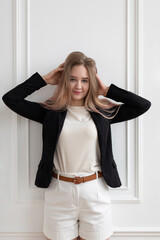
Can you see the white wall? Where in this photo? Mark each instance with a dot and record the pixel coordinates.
(123, 37)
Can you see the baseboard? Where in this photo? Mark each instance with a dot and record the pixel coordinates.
(119, 234)
(21, 236)
(136, 233)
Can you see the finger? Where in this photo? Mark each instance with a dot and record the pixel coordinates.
(58, 69)
(61, 69)
(101, 84)
(61, 65)
(97, 77)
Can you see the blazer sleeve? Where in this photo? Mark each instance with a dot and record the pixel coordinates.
(132, 105)
(15, 99)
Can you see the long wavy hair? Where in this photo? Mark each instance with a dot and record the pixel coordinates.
(62, 94)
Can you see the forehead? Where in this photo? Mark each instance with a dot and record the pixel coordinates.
(79, 70)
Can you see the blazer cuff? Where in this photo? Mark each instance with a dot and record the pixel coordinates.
(37, 80)
(116, 93)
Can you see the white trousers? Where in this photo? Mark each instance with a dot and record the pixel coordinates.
(72, 210)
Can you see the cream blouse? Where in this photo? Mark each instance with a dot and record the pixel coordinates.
(77, 149)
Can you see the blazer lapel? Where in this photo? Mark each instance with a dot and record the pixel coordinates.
(102, 126)
(61, 118)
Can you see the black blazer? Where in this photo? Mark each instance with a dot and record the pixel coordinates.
(132, 106)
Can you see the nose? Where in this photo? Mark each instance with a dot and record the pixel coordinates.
(78, 84)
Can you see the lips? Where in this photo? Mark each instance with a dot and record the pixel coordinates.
(76, 92)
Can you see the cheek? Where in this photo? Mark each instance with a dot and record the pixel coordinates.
(71, 85)
(87, 88)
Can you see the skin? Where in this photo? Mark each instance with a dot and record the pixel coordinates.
(53, 78)
(79, 82)
(79, 85)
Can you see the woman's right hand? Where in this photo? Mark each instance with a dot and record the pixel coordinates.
(53, 77)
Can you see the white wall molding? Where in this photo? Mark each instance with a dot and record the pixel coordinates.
(139, 50)
(129, 233)
(22, 192)
(146, 232)
(21, 235)
(133, 80)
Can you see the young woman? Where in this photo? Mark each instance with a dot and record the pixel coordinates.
(77, 164)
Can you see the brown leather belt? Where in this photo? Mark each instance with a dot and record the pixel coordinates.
(78, 180)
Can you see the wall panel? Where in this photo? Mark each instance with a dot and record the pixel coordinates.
(29, 31)
(41, 34)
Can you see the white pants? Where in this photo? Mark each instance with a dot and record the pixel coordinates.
(83, 209)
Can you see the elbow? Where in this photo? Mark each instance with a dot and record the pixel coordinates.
(147, 105)
(7, 100)
(4, 98)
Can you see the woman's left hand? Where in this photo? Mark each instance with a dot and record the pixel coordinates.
(102, 87)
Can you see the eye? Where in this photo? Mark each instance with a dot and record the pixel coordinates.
(84, 80)
(72, 79)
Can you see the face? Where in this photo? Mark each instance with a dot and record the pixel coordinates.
(79, 84)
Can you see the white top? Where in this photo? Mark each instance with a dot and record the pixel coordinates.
(77, 149)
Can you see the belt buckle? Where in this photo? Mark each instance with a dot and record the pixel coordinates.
(77, 180)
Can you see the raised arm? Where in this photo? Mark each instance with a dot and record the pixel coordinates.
(132, 105)
(15, 99)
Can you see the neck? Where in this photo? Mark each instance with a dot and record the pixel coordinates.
(77, 103)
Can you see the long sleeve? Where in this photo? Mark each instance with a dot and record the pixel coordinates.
(15, 99)
(132, 105)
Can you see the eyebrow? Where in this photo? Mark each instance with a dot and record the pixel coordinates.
(82, 77)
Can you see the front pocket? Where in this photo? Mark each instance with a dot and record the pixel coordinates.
(103, 191)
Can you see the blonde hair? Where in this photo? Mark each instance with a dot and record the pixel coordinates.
(62, 95)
